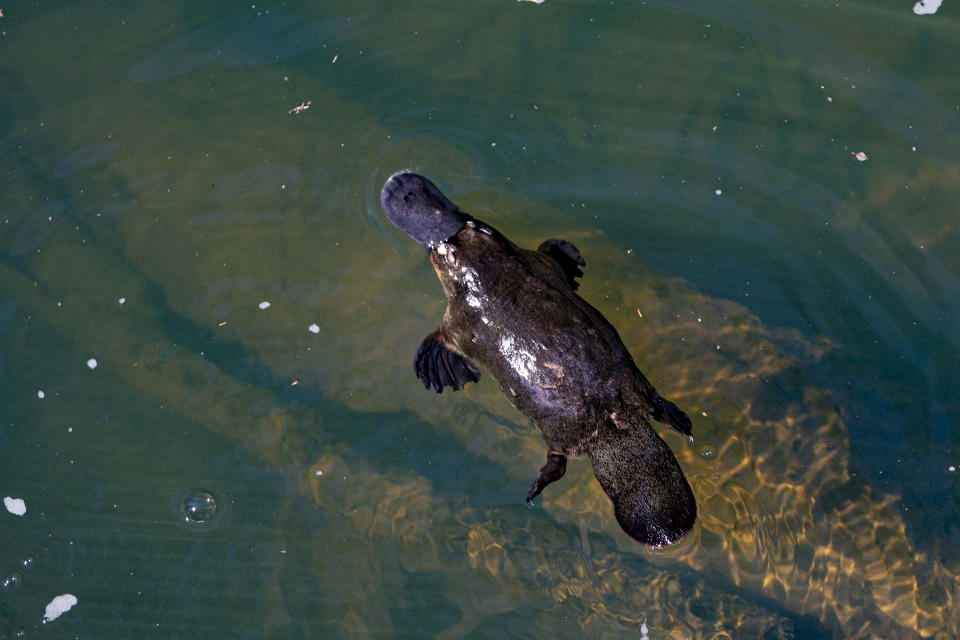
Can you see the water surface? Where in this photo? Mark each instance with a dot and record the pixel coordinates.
(800, 304)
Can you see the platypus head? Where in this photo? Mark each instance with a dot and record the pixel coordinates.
(418, 208)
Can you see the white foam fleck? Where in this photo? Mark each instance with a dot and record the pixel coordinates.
(16, 506)
(92, 363)
(122, 300)
(41, 394)
(718, 192)
(951, 468)
(59, 606)
(314, 328)
(927, 7)
(264, 305)
(318, 472)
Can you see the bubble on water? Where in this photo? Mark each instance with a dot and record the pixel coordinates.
(198, 507)
(9, 582)
(41, 394)
(264, 305)
(92, 363)
(707, 452)
(314, 328)
(28, 563)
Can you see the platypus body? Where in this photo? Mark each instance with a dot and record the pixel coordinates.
(515, 312)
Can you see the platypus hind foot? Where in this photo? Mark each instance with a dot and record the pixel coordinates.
(552, 471)
(672, 416)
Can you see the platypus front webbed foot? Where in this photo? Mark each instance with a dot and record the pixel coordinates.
(552, 471)
(438, 365)
(567, 256)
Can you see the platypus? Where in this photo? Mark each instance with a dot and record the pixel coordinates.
(516, 313)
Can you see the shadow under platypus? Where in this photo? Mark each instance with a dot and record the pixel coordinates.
(556, 358)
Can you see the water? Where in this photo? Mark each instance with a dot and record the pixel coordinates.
(800, 304)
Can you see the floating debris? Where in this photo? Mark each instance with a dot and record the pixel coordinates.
(16, 506)
(59, 606)
(264, 305)
(92, 363)
(314, 328)
(222, 324)
(334, 61)
(294, 383)
(303, 106)
(860, 155)
(927, 7)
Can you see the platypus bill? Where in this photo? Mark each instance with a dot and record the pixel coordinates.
(515, 312)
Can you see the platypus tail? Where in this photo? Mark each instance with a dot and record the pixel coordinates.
(650, 495)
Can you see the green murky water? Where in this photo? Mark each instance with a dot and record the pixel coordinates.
(231, 471)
